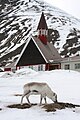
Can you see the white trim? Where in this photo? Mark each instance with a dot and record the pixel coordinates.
(31, 38)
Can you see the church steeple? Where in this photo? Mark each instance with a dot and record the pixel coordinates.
(42, 29)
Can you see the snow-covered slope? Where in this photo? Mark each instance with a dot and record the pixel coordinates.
(19, 19)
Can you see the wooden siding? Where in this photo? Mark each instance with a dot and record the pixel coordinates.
(31, 56)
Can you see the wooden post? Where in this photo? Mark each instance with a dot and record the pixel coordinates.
(47, 66)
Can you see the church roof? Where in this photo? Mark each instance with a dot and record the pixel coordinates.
(48, 50)
(46, 53)
(42, 23)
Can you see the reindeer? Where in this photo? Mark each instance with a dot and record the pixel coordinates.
(42, 89)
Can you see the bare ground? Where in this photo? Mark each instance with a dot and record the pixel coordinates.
(48, 107)
(59, 105)
(19, 106)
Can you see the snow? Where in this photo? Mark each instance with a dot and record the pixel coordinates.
(65, 83)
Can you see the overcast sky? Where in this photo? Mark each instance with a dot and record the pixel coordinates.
(70, 6)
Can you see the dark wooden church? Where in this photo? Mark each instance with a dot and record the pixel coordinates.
(38, 53)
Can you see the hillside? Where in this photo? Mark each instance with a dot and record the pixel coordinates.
(19, 19)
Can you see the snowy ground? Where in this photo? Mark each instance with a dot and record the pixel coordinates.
(66, 84)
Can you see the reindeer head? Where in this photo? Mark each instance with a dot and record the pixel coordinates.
(54, 97)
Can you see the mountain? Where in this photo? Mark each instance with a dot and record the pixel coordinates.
(19, 19)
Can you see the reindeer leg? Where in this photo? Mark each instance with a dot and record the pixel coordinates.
(24, 96)
(45, 100)
(41, 97)
(28, 99)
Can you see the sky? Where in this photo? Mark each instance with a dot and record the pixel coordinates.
(70, 6)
